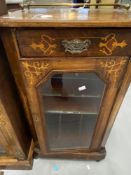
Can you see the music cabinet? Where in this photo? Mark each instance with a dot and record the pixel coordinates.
(72, 69)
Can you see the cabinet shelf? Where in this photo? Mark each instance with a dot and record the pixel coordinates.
(69, 131)
(69, 105)
(69, 86)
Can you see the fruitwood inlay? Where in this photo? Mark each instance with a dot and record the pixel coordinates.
(110, 43)
(46, 45)
(109, 68)
(50, 43)
(113, 68)
(34, 69)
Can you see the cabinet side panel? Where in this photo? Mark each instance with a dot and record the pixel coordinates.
(119, 99)
(8, 39)
(115, 71)
(13, 123)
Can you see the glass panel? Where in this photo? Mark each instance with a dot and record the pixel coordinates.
(71, 102)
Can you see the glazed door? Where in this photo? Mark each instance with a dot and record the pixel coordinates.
(71, 101)
(71, 104)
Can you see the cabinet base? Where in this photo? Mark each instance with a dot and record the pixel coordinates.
(93, 155)
(15, 164)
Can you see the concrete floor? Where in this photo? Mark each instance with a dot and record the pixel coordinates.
(118, 159)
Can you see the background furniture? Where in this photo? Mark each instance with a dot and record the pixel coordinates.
(15, 139)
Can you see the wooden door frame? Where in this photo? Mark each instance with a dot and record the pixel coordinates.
(109, 74)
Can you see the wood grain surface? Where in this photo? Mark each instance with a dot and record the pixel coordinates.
(48, 42)
(67, 17)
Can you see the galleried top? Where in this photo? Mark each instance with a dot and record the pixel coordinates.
(66, 15)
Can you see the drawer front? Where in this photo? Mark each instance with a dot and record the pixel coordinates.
(77, 42)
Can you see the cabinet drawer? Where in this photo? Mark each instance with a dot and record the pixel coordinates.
(52, 42)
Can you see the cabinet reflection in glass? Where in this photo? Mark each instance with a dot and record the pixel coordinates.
(71, 104)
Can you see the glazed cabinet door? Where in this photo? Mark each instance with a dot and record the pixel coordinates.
(71, 101)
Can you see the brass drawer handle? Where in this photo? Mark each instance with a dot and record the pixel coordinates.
(76, 45)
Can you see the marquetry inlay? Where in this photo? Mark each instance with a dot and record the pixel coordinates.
(109, 43)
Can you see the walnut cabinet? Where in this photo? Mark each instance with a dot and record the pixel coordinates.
(72, 77)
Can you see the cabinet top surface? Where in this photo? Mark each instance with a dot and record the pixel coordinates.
(67, 17)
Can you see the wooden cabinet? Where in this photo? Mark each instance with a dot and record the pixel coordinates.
(72, 76)
(15, 139)
(70, 95)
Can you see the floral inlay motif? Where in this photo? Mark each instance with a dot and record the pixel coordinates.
(33, 69)
(46, 45)
(109, 44)
(113, 67)
(106, 45)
